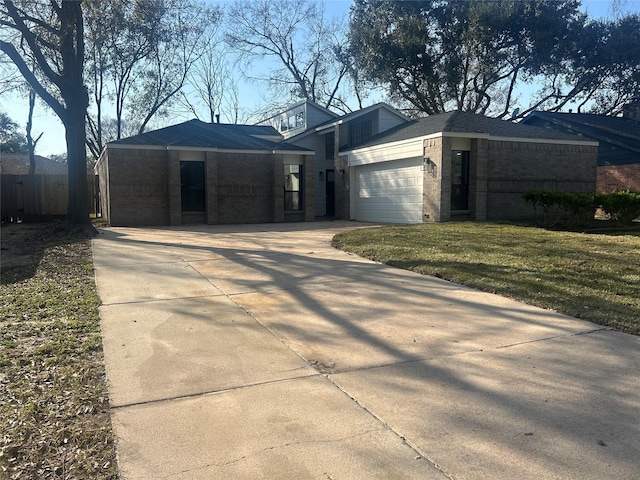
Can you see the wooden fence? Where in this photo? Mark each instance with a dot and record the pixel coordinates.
(40, 197)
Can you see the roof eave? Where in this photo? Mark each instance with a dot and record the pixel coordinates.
(209, 149)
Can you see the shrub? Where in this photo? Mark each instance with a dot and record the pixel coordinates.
(621, 207)
(571, 210)
(568, 210)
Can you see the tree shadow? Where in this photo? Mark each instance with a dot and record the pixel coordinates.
(23, 246)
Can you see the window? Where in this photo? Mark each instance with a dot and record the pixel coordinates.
(293, 187)
(329, 146)
(459, 180)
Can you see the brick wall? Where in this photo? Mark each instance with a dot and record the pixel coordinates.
(516, 167)
(436, 200)
(142, 187)
(244, 188)
(619, 177)
(342, 185)
(138, 187)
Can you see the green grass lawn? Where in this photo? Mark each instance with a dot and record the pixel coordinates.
(595, 277)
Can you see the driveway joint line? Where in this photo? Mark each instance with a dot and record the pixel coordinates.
(388, 427)
(213, 392)
(586, 332)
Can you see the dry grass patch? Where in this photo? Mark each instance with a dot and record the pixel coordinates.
(54, 410)
(595, 277)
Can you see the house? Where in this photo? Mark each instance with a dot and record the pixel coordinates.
(458, 166)
(619, 138)
(374, 164)
(197, 172)
(18, 164)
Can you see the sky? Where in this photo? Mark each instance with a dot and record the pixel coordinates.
(52, 141)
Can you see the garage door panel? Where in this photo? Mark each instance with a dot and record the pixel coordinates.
(390, 191)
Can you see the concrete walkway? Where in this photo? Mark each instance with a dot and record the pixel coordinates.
(259, 351)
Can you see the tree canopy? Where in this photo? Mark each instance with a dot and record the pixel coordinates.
(480, 56)
(11, 140)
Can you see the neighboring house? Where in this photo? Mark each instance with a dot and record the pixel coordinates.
(197, 172)
(313, 127)
(619, 138)
(461, 165)
(18, 164)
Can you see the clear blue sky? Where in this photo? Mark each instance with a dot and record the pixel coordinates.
(52, 141)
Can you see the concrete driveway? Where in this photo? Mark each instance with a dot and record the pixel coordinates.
(259, 351)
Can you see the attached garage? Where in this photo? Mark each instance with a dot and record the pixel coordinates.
(389, 192)
(462, 166)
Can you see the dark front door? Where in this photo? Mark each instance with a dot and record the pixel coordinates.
(330, 188)
(459, 180)
(192, 186)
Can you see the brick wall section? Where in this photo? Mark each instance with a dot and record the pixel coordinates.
(102, 170)
(211, 187)
(436, 199)
(142, 187)
(478, 184)
(244, 187)
(516, 167)
(138, 187)
(619, 177)
(342, 179)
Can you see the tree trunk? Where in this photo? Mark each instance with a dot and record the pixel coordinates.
(78, 209)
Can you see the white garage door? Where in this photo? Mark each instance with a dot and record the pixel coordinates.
(389, 192)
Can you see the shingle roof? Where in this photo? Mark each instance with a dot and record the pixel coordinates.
(195, 133)
(620, 131)
(463, 122)
(18, 164)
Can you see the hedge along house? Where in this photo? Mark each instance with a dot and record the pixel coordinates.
(462, 166)
(197, 172)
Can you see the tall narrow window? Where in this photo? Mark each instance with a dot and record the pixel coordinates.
(192, 190)
(293, 187)
(329, 145)
(459, 180)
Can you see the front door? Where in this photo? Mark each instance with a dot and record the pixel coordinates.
(192, 186)
(330, 189)
(459, 180)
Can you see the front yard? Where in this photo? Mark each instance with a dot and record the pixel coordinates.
(54, 407)
(595, 277)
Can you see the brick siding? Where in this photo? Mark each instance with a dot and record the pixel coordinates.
(619, 177)
(142, 187)
(516, 167)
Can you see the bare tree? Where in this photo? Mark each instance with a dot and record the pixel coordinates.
(52, 35)
(31, 142)
(140, 58)
(295, 35)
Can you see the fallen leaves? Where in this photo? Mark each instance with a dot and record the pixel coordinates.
(54, 410)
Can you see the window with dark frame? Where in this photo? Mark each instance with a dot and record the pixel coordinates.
(329, 146)
(459, 180)
(293, 187)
